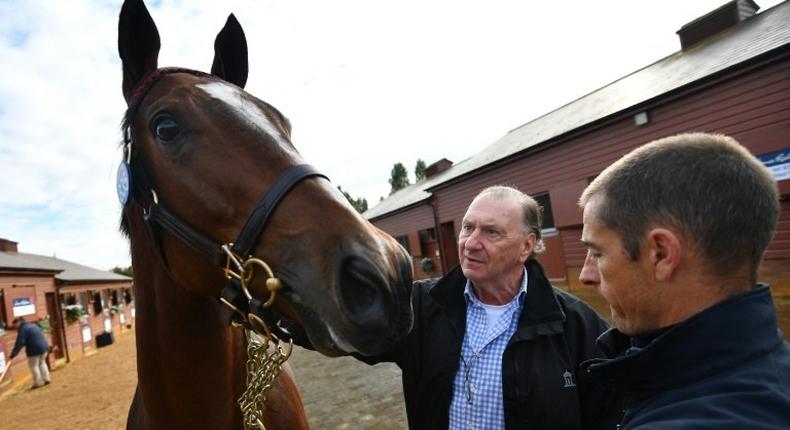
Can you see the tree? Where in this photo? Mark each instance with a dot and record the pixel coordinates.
(126, 271)
(360, 204)
(399, 178)
(419, 170)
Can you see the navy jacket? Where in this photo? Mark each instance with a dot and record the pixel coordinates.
(31, 337)
(727, 367)
(556, 332)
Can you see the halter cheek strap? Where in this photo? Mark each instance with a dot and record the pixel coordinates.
(157, 213)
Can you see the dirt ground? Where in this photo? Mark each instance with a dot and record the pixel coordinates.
(90, 393)
(94, 393)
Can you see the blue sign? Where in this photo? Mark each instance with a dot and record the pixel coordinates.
(21, 301)
(778, 162)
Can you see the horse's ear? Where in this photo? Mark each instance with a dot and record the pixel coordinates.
(230, 53)
(138, 43)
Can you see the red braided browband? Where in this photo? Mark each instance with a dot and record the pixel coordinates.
(144, 85)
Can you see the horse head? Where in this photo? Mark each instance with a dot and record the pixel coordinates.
(206, 150)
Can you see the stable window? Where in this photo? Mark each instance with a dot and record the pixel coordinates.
(114, 298)
(428, 244)
(404, 242)
(428, 235)
(68, 299)
(84, 302)
(3, 319)
(97, 303)
(544, 200)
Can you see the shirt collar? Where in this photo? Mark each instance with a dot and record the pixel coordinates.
(470, 296)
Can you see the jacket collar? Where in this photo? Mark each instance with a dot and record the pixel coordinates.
(540, 304)
(721, 337)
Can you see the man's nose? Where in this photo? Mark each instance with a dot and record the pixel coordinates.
(589, 273)
(472, 241)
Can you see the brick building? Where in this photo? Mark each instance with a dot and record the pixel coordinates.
(75, 305)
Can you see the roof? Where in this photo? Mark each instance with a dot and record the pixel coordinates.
(68, 271)
(755, 36)
(408, 196)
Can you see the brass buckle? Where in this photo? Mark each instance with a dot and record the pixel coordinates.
(244, 271)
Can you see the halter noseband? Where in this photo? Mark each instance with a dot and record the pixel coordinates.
(235, 258)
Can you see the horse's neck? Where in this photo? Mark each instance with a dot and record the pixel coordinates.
(190, 362)
(188, 357)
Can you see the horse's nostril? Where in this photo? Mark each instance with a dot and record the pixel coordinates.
(362, 290)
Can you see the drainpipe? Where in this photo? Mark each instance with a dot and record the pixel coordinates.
(62, 323)
(439, 235)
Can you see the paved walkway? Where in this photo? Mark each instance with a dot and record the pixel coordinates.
(95, 393)
(343, 393)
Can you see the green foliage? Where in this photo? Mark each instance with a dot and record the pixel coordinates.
(74, 313)
(427, 266)
(44, 326)
(360, 204)
(126, 271)
(399, 178)
(419, 170)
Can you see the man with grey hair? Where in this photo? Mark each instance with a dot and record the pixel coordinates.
(494, 345)
(675, 231)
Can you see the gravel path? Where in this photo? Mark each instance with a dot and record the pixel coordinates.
(95, 393)
(90, 393)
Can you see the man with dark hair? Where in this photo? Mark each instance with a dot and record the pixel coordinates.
(494, 345)
(675, 231)
(36, 348)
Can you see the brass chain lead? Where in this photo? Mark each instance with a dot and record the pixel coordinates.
(264, 365)
(265, 357)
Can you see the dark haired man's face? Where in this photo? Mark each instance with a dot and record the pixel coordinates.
(623, 283)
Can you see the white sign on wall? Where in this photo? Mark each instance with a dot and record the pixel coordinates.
(86, 333)
(122, 317)
(107, 325)
(23, 306)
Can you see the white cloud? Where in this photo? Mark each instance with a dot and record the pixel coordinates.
(365, 84)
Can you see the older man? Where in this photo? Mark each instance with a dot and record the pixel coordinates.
(675, 232)
(494, 345)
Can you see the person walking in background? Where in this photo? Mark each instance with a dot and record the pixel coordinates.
(36, 347)
(675, 232)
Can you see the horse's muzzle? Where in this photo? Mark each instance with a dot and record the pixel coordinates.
(375, 303)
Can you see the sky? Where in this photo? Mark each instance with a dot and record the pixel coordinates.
(364, 83)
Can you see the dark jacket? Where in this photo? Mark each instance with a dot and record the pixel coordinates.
(725, 368)
(555, 333)
(31, 337)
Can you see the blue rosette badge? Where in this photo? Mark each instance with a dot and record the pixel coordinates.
(123, 183)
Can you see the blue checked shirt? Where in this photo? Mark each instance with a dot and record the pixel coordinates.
(477, 388)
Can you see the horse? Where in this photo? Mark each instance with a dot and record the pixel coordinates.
(226, 222)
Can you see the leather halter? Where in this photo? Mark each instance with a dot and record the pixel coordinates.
(155, 213)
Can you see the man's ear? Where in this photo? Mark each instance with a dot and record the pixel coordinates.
(529, 246)
(664, 249)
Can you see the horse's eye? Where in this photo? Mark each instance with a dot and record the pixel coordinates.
(166, 129)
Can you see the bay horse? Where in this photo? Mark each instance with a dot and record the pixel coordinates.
(217, 200)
